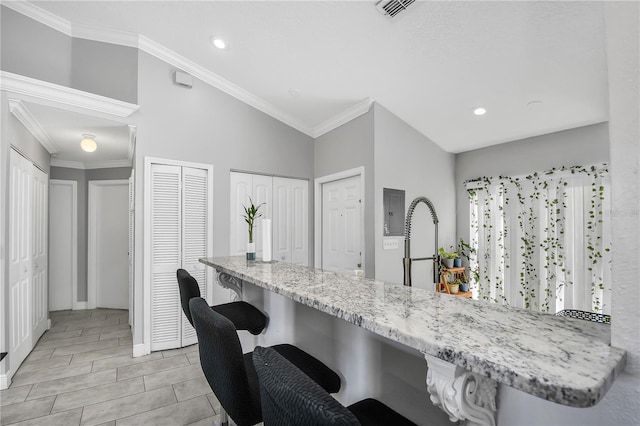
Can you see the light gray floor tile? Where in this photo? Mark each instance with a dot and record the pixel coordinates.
(125, 341)
(14, 395)
(46, 363)
(96, 394)
(71, 341)
(38, 354)
(66, 418)
(214, 402)
(176, 414)
(173, 376)
(26, 410)
(173, 352)
(191, 388)
(60, 335)
(69, 384)
(213, 420)
(151, 367)
(87, 347)
(194, 357)
(91, 323)
(57, 327)
(127, 406)
(56, 314)
(29, 377)
(123, 360)
(100, 354)
(115, 334)
(111, 423)
(107, 329)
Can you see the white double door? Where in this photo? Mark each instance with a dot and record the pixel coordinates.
(286, 203)
(180, 208)
(28, 305)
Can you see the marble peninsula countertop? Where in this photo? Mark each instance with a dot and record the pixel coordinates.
(564, 360)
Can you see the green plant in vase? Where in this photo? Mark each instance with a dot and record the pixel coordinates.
(447, 257)
(251, 213)
(452, 283)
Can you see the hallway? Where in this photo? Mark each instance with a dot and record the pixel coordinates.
(81, 372)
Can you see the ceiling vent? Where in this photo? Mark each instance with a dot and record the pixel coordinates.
(393, 7)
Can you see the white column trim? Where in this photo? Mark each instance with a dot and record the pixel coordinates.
(317, 214)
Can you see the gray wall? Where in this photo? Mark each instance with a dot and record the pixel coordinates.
(105, 69)
(34, 50)
(407, 160)
(347, 147)
(82, 177)
(205, 125)
(580, 146)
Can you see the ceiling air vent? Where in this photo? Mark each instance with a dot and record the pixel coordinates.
(393, 7)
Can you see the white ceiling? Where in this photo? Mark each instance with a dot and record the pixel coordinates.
(430, 66)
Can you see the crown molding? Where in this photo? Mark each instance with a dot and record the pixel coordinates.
(104, 35)
(64, 95)
(22, 113)
(213, 79)
(38, 14)
(90, 164)
(344, 117)
(163, 53)
(133, 134)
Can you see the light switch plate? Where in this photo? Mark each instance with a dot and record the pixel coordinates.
(389, 244)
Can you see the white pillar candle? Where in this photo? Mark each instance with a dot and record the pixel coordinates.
(266, 240)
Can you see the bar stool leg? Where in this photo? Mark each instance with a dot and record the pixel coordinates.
(224, 419)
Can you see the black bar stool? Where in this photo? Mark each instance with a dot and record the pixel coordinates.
(290, 398)
(231, 374)
(243, 315)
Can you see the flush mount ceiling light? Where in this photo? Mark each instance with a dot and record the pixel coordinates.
(88, 143)
(479, 111)
(218, 42)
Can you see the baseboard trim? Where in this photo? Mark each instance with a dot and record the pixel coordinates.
(79, 306)
(5, 380)
(139, 350)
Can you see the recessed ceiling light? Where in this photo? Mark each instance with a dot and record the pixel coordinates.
(218, 42)
(88, 143)
(479, 111)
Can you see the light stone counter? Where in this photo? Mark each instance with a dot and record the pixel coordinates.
(567, 361)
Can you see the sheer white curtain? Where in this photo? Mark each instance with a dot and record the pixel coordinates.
(542, 241)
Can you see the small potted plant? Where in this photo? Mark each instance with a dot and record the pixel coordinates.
(464, 284)
(452, 283)
(447, 257)
(251, 213)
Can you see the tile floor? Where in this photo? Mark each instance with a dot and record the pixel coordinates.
(81, 372)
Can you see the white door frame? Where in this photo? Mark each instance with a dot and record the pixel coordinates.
(145, 347)
(74, 236)
(92, 261)
(317, 216)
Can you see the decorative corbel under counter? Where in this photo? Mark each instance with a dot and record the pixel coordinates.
(469, 346)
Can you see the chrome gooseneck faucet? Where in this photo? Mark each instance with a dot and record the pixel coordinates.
(406, 261)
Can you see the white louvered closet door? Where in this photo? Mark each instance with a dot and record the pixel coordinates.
(166, 254)
(194, 236)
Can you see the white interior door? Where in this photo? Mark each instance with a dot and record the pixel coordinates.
(63, 249)
(282, 220)
(39, 249)
(341, 225)
(130, 252)
(20, 259)
(300, 221)
(195, 231)
(108, 225)
(165, 256)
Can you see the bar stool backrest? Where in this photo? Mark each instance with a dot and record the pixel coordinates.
(223, 365)
(290, 398)
(188, 289)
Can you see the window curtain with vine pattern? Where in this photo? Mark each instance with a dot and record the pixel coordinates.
(542, 241)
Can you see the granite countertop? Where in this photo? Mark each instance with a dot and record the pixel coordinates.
(564, 360)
